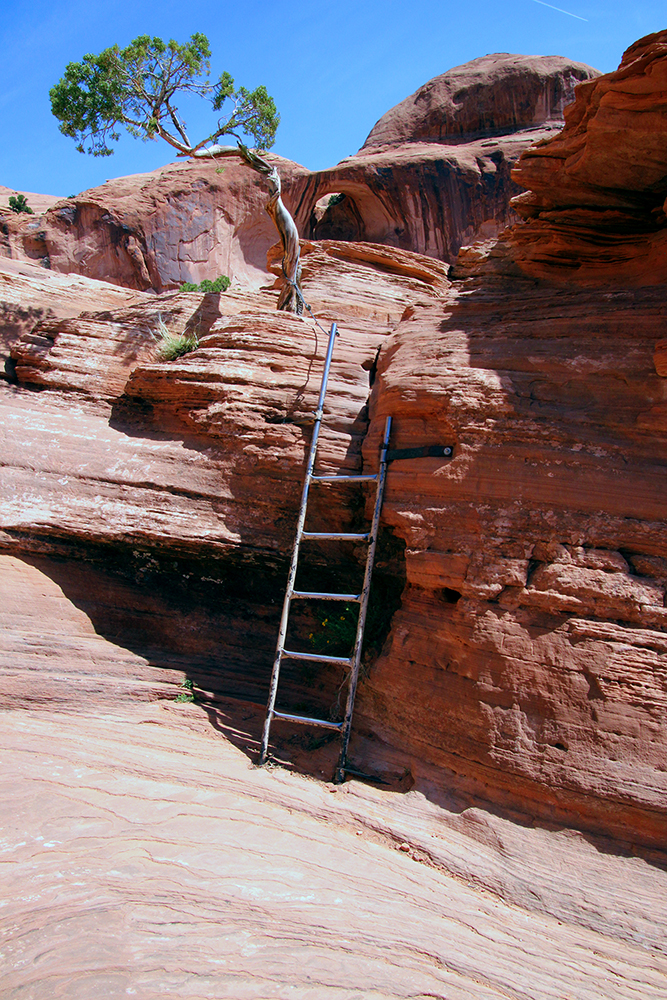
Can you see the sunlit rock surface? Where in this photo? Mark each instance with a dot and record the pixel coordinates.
(512, 705)
(144, 855)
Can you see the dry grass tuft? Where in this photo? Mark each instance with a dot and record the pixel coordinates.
(173, 345)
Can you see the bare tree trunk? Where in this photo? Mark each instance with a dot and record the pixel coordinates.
(290, 298)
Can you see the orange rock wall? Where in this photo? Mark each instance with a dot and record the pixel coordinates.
(595, 207)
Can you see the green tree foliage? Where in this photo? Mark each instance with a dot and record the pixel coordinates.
(19, 203)
(220, 284)
(136, 88)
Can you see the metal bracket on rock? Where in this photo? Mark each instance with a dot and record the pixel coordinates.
(428, 451)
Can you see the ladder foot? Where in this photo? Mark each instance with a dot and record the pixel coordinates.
(339, 776)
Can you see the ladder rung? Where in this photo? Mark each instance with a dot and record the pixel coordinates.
(340, 535)
(327, 597)
(344, 479)
(318, 657)
(307, 720)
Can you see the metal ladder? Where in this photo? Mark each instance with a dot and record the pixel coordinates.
(370, 537)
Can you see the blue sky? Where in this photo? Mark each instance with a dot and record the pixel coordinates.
(332, 68)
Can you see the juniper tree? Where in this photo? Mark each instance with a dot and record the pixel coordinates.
(137, 88)
(19, 203)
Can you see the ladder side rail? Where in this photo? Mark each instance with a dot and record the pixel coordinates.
(339, 776)
(282, 633)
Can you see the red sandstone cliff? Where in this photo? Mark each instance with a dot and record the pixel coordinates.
(146, 514)
(525, 665)
(595, 207)
(537, 556)
(433, 175)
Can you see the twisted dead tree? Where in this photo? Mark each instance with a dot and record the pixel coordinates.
(290, 298)
(136, 87)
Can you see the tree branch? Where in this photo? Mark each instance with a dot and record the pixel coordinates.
(179, 126)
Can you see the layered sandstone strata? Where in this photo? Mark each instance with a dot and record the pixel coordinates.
(538, 554)
(185, 475)
(148, 854)
(30, 294)
(528, 657)
(595, 207)
(526, 663)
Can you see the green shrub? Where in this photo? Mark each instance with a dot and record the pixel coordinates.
(220, 284)
(336, 630)
(188, 695)
(19, 203)
(335, 626)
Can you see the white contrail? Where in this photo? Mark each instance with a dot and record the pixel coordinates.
(560, 10)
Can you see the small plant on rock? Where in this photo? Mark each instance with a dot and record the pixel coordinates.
(336, 631)
(173, 345)
(19, 203)
(187, 695)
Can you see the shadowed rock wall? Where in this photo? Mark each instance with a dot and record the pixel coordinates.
(529, 656)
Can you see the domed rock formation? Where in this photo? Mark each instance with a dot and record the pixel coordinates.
(433, 175)
(37, 202)
(185, 222)
(487, 96)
